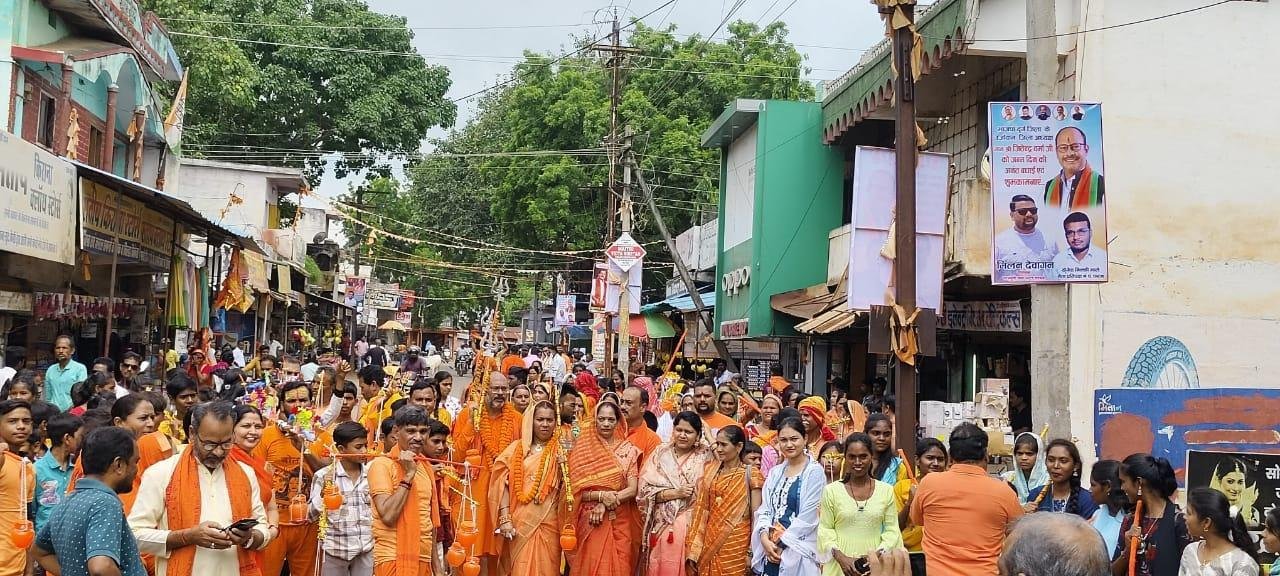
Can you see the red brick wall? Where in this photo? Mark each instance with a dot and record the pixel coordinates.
(86, 120)
(38, 88)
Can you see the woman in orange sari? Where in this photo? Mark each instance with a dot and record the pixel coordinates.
(720, 544)
(668, 486)
(603, 470)
(526, 496)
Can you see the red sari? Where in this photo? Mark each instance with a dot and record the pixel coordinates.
(607, 549)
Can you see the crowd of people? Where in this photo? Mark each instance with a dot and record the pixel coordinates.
(377, 469)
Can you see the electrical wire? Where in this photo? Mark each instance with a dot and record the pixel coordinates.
(341, 27)
(1104, 28)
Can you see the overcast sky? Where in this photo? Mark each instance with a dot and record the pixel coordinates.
(830, 33)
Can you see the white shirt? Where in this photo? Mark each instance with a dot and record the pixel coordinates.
(238, 355)
(555, 367)
(150, 521)
(6, 373)
(1014, 245)
(1093, 266)
(308, 371)
(276, 346)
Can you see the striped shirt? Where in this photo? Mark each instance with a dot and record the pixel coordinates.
(350, 532)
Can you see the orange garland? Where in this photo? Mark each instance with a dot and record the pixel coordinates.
(491, 441)
(540, 488)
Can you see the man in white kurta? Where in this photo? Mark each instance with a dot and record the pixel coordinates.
(212, 436)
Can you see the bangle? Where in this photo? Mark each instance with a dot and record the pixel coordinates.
(407, 485)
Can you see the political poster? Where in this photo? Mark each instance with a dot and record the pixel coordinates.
(566, 305)
(1250, 481)
(1048, 187)
(599, 287)
(355, 295)
(872, 250)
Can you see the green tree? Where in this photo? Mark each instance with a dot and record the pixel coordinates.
(368, 98)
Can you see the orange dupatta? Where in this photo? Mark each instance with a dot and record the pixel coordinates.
(409, 525)
(592, 463)
(265, 481)
(184, 510)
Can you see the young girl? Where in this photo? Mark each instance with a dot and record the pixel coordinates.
(831, 458)
(16, 389)
(1162, 533)
(1104, 486)
(1224, 547)
(1062, 460)
(1271, 537)
(1031, 472)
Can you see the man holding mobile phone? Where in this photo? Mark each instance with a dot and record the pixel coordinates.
(187, 504)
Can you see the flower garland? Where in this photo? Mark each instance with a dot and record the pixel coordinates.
(541, 488)
(494, 441)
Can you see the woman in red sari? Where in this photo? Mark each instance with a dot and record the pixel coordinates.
(604, 470)
(526, 496)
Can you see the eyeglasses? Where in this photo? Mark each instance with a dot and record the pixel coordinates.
(128, 366)
(212, 446)
(1025, 211)
(1064, 148)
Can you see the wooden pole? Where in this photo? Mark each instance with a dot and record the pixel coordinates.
(905, 238)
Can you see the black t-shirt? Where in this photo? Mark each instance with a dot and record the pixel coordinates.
(376, 356)
(1020, 420)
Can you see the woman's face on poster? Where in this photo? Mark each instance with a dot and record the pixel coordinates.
(1233, 485)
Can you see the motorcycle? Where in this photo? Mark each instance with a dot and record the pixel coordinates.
(466, 362)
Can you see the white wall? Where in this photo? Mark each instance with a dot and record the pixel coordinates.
(208, 188)
(740, 189)
(1192, 145)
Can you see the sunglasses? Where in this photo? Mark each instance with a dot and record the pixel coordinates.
(1025, 211)
(128, 366)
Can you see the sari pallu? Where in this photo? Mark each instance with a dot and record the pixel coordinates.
(536, 548)
(667, 523)
(607, 549)
(722, 520)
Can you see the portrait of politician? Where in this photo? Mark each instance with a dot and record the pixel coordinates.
(1007, 113)
(1082, 253)
(1060, 113)
(1077, 185)
(1042, 112)
(1023, 242)
(1025, 113)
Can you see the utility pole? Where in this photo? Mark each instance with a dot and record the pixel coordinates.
(617, 52)
(905, 214)
(1050, 306)
(624, 293)
(721, 349)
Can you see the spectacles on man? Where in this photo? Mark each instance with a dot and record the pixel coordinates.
(1064, 148)
(128, 366)
(1025, 211)
(212, 446)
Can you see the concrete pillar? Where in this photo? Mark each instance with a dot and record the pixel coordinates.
(109, 136)
(64, 112)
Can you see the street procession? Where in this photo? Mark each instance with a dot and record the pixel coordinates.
(638, 288)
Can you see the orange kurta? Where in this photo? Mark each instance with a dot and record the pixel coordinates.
(290, 477)
(645, 440)
(488, 440)
(535, 550)
(713, 423)
(420, 516)
(720, 541)
(12, 559)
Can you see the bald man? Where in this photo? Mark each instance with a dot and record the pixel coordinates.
(1047, 544)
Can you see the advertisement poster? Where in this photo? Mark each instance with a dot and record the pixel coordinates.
(37, 202)
(599, 287)
(382, 296)
(872, 251)
(113, 222)
(566, 304)
(1049, 210)
(635, 284)
(1250, 481)
(355, 295)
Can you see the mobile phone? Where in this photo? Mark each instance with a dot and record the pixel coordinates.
(862, 565)
(242, 525)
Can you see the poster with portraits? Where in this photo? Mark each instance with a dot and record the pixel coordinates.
(1048, 192)
(1251, 482)
(599, 287)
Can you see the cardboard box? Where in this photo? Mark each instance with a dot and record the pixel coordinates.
(997, 385)
(996, 444)
(932, 413)
(991, 405)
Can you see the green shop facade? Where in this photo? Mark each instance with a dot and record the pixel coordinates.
(778, 184)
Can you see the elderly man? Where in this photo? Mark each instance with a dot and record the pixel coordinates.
(1038, 545)
(198, 513)
(498, 426)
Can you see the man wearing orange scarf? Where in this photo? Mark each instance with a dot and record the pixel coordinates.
(704, 394)
(187, 503)
(292, 461)
(498, 427)
(406, 509)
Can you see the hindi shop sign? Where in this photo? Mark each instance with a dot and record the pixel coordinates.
(382, 296)
(37, 202)
(730, 329)
(981, 316)
(1048, 193)
(625, 252)
(112, 222)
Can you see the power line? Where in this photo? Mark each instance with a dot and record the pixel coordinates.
(340, 27)
(1104, 28)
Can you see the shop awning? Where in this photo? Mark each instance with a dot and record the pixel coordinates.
(649, 325)
(829, 321)
(681, 303)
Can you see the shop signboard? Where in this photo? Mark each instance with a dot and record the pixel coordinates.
(1049, 211)
(872, 251)
(111, 222)
(37, 202)
(15, 302)
(982, 316)
(382, 296)
(405, 318)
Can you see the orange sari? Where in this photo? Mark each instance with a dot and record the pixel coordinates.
(721, 527)
(607, 549)
(535, 550)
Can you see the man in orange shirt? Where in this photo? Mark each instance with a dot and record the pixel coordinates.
(965, 513)
(634, 401)
(15, 429)
(285, 448)
(406, 510)
(704, 394)
(498, 427)
(512, 359)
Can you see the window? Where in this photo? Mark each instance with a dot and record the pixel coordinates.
(48, 115)
(95, 148)
(53, 20)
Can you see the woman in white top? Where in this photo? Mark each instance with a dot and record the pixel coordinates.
(784, 537)
(1223, 546)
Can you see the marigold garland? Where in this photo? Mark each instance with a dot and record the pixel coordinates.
(541, 488)
(494, 441)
